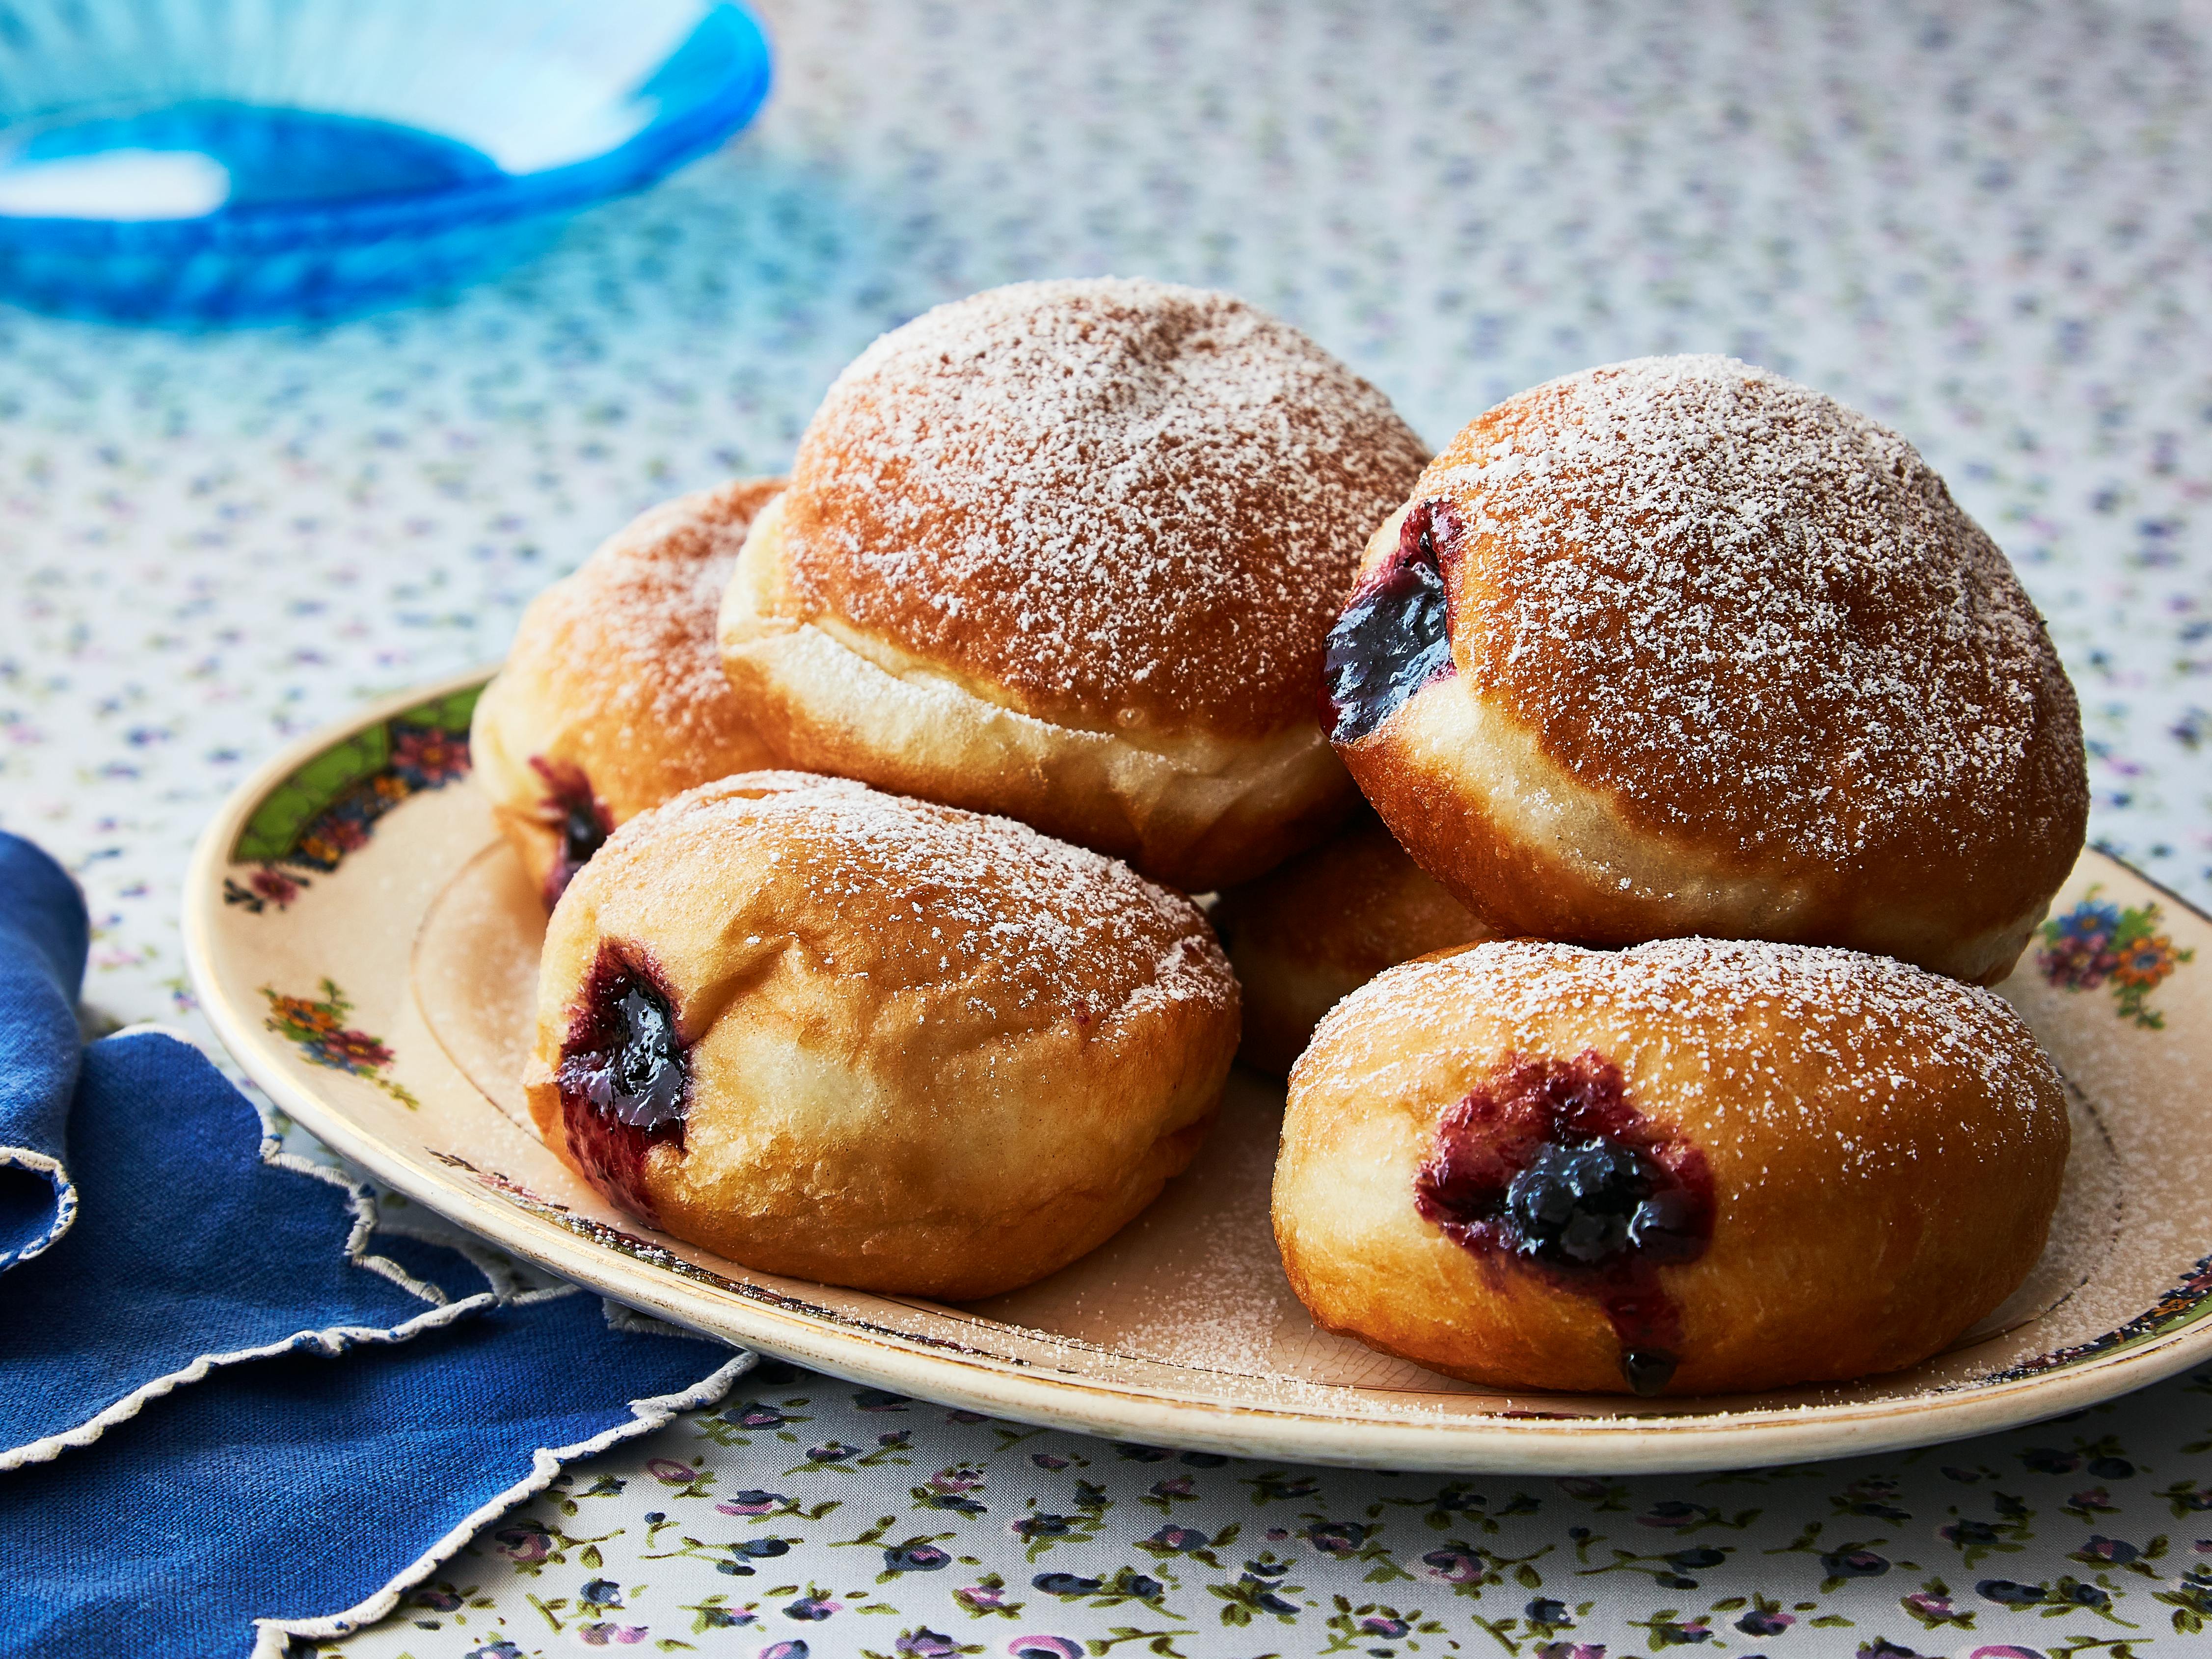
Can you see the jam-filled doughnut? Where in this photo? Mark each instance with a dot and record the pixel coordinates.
(1679, 646)
(613, 698)
(1069, 551)
(848, 1036)
(1315, 929)
(1690, 1166)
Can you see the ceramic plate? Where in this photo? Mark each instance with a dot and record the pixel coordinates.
(367, 946)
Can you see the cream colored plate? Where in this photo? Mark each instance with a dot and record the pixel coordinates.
(367, 946)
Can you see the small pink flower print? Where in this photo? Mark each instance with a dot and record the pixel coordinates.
(669, 1472)
(755, 1414)
(273, 884)
(1044, 1647)
(1177, 1540)
(915, 1557)
(752, 1501)
(346, 834)
(2118, 1552)
(1454, 1567)
(526, 1543)
(601, 1634)
(427, 757)
(2097, 942)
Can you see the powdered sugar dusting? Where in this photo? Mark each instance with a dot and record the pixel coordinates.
(1117, 500)
(1751, 613)
(912, 893)
(1713, 1005)
(648, 600)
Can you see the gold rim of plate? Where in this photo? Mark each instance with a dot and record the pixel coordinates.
(362, 943)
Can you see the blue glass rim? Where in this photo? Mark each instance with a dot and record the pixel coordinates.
(664, 143)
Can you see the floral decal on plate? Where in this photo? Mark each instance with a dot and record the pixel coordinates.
(2182, 1304)
(328, 808)
(2099, 943)
(319, 1029)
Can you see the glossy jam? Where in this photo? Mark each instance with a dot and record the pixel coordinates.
(1550, 1163)
(577, 816)
(1393, 636)
(625, 1077)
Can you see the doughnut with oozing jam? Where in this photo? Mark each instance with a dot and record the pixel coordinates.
(1676, 647)
(1695, 1166)
(843, 1036)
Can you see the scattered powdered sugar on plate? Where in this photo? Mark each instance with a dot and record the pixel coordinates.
(1115, 499)
(1748, 610)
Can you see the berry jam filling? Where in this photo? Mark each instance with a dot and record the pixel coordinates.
(1550, 1162)
(577, 815)
(625, 1082)
(1393, 638)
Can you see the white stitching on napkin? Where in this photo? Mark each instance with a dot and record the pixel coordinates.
(23, 1157)
(272, 1636)
(330, 1340)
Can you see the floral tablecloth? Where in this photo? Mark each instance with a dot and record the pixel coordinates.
(1986, 225)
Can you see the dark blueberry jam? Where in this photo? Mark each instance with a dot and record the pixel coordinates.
(1393, 638)
(1550, 1162)
(578, 817)
(624, 1079)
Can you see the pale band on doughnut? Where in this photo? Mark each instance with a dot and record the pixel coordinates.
(1070, 551)
(860, 705)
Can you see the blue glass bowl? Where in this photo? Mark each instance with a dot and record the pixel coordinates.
(193, 161)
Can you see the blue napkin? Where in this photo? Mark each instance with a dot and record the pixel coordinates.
(188, 1251)
(222, 1399)
(299, 1489)
(43, 936)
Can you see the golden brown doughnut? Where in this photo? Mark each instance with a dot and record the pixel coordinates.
(613, 697)
(1069, 551)
(1693, 1166)
(1312, 930)
(1679, 646)
(849, 1036)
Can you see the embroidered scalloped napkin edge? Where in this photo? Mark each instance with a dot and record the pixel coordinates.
(225, 1394)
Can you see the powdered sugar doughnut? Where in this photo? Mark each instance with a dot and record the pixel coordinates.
(1693, 1166)
(613, 697)
(852, 1038)
(1677, 646)
(1069, 551)
(1317, 927)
